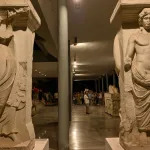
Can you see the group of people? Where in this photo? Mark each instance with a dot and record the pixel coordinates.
(91, 97)
(88, 97)
(47, 97)
(95, 98)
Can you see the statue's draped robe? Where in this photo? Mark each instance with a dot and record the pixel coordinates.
(141, 94)
(12, 86)
(7, 76)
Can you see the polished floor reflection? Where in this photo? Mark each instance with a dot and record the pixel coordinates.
(87, 132)
(46, 124)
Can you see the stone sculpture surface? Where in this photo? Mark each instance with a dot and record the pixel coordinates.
(17, 26)
(134, 80)
(112, 103)
(137, 60)
(113, 89)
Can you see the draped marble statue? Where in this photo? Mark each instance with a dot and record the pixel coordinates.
(138, 60)
(7, 77)
(17, 25)
(132, 59)
(137, 68)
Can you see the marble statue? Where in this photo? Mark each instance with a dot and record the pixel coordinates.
(137, 60)
(113, 89)
(131, 19)
(18, 23)
(7, 77)
(135, 125)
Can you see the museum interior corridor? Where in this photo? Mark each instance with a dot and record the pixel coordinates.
(75, 74)
(87, 132)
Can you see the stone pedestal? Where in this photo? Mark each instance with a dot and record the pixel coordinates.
(41, 144)
(113, 144)
(38, 144)
(112, 104)
(28, 145)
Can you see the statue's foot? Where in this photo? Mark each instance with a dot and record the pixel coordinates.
(135, 139)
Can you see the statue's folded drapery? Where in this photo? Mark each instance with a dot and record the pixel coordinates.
(7, 76)
(141, 93)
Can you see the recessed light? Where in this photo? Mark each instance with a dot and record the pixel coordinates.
(74, 66)
(35, 70)
(39, 72)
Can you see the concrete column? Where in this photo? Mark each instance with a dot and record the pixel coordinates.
(107, 84)
(99, 85)
(63, 78)
(102, 84)
(70, 82)
(71, 94)
(95, 85)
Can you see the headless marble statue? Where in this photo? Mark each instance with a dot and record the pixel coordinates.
(7, 77)
(17, 27)
(137, 60)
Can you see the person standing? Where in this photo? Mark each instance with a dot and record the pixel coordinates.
(86, 101)
(40, 94)
(82, 97)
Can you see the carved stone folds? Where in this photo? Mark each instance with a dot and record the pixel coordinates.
(112, 104)
(18, 21)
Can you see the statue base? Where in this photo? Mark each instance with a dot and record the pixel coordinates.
(41, 144)
(8, 145)
(113, 144)
(38, 144)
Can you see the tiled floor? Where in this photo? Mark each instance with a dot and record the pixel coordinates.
(87, 132)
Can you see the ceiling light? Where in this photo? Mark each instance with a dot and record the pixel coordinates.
(74, 66)
(74, 63)
(74, 71)
(35, 70)
(77, 4)
(39, 72)
(45, 75)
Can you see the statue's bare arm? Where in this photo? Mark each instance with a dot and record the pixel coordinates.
(129, 53)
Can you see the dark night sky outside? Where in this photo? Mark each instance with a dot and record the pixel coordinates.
(51, 84)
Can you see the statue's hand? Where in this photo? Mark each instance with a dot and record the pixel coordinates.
(127, 64)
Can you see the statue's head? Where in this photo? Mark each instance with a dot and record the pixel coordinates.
(144, 18)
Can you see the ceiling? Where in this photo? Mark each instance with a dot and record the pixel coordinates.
(45, 69)
(89, 21)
